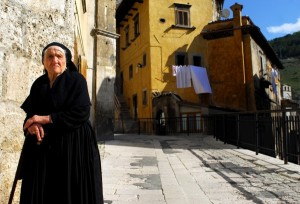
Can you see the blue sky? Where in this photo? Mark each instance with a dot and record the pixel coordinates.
(275, 18)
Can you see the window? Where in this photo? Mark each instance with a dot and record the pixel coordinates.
(198, 121)
(144, 60)
(184, 122)
(182, 15)
(121, 83)
(130, 71)
(263, 63)
(180, 59)
(126, 30)
(191, 122)
(136, 25)
(144, 95)
(197, 61)
(135, 106)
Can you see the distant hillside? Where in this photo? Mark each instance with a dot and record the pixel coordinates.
(291, 75)
(287, 46)
(288, 50)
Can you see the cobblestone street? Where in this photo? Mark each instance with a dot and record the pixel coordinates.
(193, 169)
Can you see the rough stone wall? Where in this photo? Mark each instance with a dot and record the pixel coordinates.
(26, 27)
(105, 70)
(105, 79)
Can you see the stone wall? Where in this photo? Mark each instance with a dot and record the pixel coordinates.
(105, 70)
(26, 27)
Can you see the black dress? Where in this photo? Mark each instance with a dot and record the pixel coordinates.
(65, 168)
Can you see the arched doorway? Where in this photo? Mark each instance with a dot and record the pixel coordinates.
(160, 123)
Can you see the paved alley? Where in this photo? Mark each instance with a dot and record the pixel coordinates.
(195, 169)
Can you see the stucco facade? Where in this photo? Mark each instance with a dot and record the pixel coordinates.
(241, 65)
(147, 56)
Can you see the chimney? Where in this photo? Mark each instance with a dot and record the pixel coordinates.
(237, 14)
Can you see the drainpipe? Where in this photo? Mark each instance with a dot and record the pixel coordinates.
(94, 87)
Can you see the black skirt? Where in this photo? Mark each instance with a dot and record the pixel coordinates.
(64, 169)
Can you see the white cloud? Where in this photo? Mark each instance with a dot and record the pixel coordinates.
(285, 28)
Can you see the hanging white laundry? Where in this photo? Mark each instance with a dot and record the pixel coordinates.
(274, 79)
(174, 70)
(183, 77)
(186, 75)
(200, 79)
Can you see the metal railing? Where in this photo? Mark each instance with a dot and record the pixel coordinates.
(274, 133)
(165, 126)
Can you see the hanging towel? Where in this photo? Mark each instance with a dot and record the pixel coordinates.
(200, 79)
(183, 77)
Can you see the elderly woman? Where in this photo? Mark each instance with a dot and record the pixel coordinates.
(61, 163)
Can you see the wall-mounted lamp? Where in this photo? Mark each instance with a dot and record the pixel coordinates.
(139, 65)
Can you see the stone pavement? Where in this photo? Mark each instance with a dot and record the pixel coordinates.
(197, 169)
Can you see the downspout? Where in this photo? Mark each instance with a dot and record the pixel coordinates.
(94, 91)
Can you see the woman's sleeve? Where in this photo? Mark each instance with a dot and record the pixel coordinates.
(72, 118)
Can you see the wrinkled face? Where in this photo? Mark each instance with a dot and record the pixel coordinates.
(54, 60)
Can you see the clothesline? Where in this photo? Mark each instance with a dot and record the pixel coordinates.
(188, 75)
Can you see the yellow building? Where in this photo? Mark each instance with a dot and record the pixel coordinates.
(157, 37)
(154, 36)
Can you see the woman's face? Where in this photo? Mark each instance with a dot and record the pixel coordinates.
(54, 60)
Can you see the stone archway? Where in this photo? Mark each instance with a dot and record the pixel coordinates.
(165, 112)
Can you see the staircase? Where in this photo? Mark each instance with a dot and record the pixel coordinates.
(124, 123)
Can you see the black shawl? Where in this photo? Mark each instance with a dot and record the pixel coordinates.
(65, 167)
